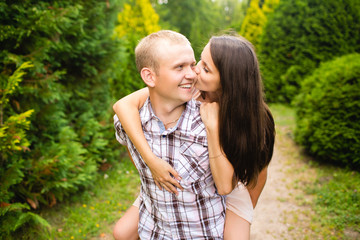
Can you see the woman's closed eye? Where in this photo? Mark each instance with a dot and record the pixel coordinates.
(204, 66)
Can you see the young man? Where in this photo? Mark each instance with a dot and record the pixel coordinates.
(174, 130)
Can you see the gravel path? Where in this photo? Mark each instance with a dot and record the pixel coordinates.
(282, 212)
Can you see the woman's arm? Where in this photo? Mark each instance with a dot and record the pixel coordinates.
(256, 191)
(127, 110)
(221, 168)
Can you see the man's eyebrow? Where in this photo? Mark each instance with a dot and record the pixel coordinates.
(183, 63)
(179, 63)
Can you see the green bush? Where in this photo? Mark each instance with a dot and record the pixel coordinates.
(14, 216)
(65, 98)
(299, 35)
(136, 20)
(328, 112)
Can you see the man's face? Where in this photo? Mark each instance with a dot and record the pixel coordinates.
(176, 75)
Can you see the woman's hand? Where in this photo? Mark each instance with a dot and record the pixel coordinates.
(161, 172)
(210, 115)
(221, 168)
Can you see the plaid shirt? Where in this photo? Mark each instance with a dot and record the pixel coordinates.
(198, 212)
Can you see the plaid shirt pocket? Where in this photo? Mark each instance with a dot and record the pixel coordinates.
(196, 168)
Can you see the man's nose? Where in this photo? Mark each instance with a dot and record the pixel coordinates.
(191, 74)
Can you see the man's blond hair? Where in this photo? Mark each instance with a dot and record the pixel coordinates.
(146, 52)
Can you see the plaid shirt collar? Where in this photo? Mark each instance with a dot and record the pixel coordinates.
(186, 121)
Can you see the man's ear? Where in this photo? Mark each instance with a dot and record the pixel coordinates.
(148, 76)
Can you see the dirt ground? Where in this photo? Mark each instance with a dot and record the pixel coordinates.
(282, 211)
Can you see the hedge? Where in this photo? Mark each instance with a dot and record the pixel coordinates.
(328, 112)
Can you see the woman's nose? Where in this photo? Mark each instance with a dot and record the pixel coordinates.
(197, 69)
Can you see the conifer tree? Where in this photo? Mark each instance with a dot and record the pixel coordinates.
(13, 142)
(72, 51)
(300, 35)
(253, 23)
(269, 6)
(255, 20)
(135, 21)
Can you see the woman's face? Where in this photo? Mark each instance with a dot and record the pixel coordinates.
(208, 74)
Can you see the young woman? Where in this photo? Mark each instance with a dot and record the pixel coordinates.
(240, 131)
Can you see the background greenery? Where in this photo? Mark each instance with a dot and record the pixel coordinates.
(300, 35)
(64, 63)
(328, 110)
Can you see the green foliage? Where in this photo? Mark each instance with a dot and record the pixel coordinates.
(12, 131)
(12, 142)
(61, 170)
(234, 12)
(269, 6)
(63, 103)
(14, 223)
(9, 86)
(254, 21)
(299, 35)
(140, 19)
(113, 192)
(328, 110)
(135, 21)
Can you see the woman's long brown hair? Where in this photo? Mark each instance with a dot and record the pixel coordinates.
(247, 129)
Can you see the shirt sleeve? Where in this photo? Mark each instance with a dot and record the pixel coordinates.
(119, 131)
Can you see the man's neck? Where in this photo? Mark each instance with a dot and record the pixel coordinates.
(168, 112)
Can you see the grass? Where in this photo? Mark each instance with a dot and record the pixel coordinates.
(92, 214)
(328, 196)
(337, 201)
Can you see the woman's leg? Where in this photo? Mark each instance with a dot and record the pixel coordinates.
(126, 228)
(239, 214)
(236, 227)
